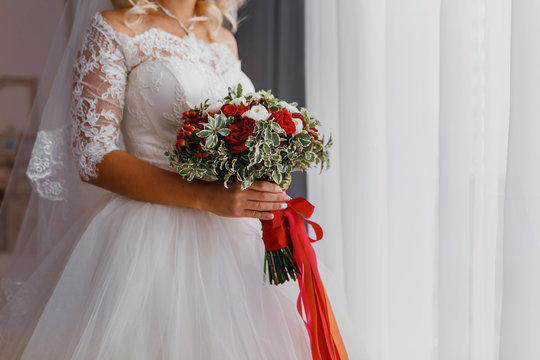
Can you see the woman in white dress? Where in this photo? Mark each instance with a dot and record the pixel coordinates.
(158, 267)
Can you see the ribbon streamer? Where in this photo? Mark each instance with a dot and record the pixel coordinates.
(288, 227)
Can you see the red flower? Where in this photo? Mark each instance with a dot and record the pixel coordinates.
(241, 109)
(284, 118)
(188, 127)
(240, 131)
(228, 110)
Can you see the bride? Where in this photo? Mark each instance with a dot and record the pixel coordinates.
(122, 258)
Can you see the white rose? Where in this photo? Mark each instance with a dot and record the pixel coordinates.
(258, 112)
(288, 106)
(238, 101)
(299, 125)
(215, 107)
(255, 96)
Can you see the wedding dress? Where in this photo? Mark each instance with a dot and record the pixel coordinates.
(147, 281)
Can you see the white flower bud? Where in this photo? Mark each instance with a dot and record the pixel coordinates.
(257, 112)
(215, 107)
(286, 105)
(299, 125)
(239, 101)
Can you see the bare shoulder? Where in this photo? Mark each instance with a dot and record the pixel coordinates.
(116, 20)
(226, 37)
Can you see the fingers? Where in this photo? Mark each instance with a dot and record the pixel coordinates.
(257, 201)
(265, 206)
(258, 214)
(266, 196)
(265, 186)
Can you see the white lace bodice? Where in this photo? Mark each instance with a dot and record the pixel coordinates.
(137, 88)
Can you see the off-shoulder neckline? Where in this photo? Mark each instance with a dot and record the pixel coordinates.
(133, 38)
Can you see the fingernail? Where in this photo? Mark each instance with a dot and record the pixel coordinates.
(283, 206)
(288, 198)
(271, 216)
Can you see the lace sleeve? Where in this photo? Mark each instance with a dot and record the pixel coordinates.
(99, 80)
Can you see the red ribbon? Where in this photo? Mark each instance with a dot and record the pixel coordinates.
(287, 227)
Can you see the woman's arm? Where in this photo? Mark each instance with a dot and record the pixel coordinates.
(129, 176)
(100, 76)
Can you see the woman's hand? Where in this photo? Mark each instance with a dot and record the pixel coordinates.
(129, 176)
(257, 201)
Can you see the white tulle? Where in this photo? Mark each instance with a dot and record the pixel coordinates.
(149, 281)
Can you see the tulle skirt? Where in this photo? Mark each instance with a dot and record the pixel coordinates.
(150, 281)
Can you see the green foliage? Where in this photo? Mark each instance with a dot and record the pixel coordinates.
(271, 155)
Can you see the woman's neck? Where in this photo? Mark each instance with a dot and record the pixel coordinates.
(182, 9)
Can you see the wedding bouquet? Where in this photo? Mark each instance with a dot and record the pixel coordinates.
(248, 137)
(255, 136)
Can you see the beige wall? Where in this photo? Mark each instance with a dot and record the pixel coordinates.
(26, 29)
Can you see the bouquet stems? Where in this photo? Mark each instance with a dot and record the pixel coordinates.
(280, 265)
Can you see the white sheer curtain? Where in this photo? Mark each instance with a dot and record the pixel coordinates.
(431, 209)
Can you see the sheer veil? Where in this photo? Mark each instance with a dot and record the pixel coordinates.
(59, 204)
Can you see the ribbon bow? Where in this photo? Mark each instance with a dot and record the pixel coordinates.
(288, 227)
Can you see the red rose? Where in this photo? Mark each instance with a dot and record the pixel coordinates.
(240, 131)
(228, 110)
(241, 109)
(284, 118)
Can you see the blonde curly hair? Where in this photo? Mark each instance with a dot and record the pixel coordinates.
(214, 12)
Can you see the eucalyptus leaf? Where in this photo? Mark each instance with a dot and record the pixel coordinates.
(224, 132)
(247, 182)
(258, 155)
(276, 176)
(204, 133)
(267, 133)
(211, 141)
(184, 171)
(275, 127)
(239, 90)
(275, 139)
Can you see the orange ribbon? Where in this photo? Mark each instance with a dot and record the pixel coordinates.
(288, 227)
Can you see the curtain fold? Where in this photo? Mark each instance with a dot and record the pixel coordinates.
(520, 325)
(431, 207)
